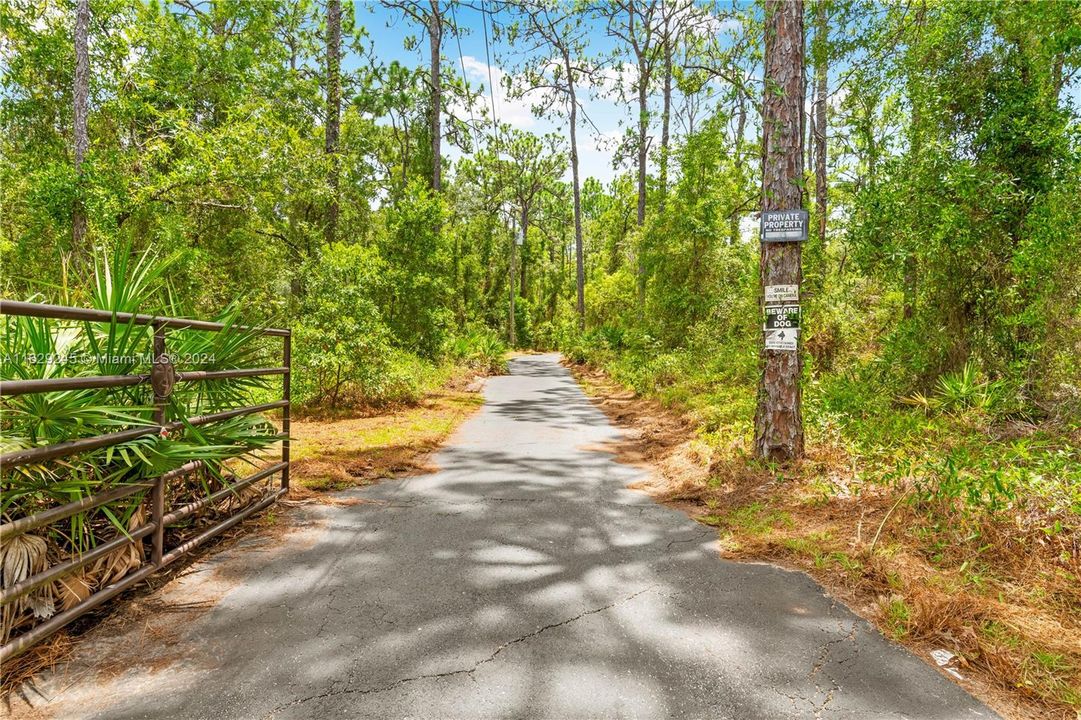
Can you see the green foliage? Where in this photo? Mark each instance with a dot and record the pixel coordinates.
(523, 322)
(697, 265)
(416, 288)
(342, 343)
(964, 390)
(944, 301)
(968, 218)
(479, 349)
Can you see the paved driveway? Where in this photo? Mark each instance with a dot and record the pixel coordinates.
(522, 580)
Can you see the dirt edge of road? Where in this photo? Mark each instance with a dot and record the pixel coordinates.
(748, 505)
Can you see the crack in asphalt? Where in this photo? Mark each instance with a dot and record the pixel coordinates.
(462, 671)
(819, 668)
(700, 536)
(330, 610)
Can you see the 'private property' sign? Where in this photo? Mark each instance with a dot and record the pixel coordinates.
(784, 225)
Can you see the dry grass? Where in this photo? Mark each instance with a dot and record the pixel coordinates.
(1005, 598)
(334, 454)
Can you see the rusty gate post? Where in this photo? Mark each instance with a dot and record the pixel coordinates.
(161, 380)
(287, 355)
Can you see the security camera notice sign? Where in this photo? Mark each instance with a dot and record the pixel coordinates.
(782, 339)
(784, 225)
(782, 293)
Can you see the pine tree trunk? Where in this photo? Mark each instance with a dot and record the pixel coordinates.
(741, 128)
(522, 258)
(804, 130)
(666, 115)
(579, 255)
(80, 100)
(435, 40)
(511, 272)
(778, 419)
(643, 128)
(333, 119)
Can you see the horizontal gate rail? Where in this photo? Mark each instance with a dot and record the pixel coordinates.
(61, 312)
(182, 512)
(221, 527)
(55, 572)
(25, 387)
(159, 519)
(48, 517)
(72, 447)
(9, 388)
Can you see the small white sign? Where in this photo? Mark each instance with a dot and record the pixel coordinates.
(782, 293)
(786, 339)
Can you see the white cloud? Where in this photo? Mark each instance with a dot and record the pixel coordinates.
(717, 26)
(703, 23)
(613, 77)
(836, 97)
(514, 111)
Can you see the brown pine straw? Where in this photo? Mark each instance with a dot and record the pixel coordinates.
(870, 545)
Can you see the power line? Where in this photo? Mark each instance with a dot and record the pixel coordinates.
(461, 59)
(488, 60)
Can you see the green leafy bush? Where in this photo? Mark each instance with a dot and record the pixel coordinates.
(341, 343)
(480, 349)
(415, 294)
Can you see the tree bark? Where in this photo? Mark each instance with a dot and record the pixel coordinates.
(80, 100)
(579, 256)
(804, 129)
(741, 128)
(522, 256)
(333, 119)
(511, 272)
(821, 91)
(811, 93)
(435, 128)
(643, 128)
(666, 113)
(778, 419)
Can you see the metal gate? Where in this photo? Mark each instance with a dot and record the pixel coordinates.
(161, 378)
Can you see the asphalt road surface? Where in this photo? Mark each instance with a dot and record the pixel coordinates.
(522, 580)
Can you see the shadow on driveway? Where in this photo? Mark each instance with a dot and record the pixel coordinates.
(523, 580)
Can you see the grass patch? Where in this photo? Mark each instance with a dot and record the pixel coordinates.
(756, 519)
(896, 616)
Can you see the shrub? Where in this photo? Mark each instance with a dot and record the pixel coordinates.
(29, 348)
(416, 295)
(341, 344)
(480, 349)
